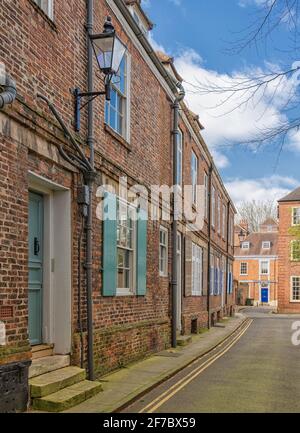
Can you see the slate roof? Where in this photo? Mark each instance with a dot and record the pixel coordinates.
(292, 196)
(256, 240)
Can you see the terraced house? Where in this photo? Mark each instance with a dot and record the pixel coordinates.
(256, 262)
(89, 279)
(289, 253)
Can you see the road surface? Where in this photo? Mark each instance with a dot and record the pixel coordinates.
(256, 370)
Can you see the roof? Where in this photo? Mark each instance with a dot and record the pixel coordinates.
(256, 240)
(270, 222)
(292, 196)
(142, 12)
(168, 60)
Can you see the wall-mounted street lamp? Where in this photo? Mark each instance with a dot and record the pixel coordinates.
(109, 51)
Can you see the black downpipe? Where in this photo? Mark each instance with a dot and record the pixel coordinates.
(9, 93)
(90, 182)
(209, 244)
(175, 132)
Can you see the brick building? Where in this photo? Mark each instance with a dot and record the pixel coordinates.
(43, 300)
(288, 252)
(256, 262)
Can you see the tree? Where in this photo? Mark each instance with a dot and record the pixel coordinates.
(273, 84)
(256, 212)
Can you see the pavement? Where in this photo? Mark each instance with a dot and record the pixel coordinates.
(123, 387)
(255, 372)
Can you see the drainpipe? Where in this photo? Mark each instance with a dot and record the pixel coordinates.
(176, 106)
(9, 93)
(227, 251)
(209, 244)
(90, 183)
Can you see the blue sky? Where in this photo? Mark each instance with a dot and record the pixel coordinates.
(197, 33)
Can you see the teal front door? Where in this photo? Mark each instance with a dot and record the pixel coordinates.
(35, 296)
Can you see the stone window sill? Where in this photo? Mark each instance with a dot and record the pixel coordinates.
(117, 137)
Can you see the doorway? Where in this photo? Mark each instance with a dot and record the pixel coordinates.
(35, 268)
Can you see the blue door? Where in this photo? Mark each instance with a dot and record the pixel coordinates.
(265, 295)
(35, 265)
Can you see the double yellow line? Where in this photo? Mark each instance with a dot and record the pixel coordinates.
(174, 389)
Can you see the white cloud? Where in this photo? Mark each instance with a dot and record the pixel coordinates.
(225, 123)
(271, 188)
(176, 2)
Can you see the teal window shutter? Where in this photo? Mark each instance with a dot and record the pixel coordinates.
(109, 259)
(142, 219)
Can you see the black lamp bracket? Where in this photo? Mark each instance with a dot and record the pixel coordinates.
(91, 96)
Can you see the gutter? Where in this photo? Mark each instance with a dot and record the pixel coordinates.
(9, 93)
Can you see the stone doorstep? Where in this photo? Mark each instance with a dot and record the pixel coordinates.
(54, 381)
(49, 363)
(67, 397)
(184, 340)
(42, 350)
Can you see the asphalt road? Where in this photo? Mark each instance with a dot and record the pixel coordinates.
(258, 371)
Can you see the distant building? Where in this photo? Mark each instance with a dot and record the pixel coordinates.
(289, 254)
(256, 261)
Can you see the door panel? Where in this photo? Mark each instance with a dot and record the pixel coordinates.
(35, 265)
(265, 295)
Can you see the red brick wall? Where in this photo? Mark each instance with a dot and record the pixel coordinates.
(50, 58)
(254, 275)
(286, 268)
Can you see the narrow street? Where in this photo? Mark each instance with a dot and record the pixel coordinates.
(257, 370)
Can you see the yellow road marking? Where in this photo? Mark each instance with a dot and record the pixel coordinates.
(167, 395)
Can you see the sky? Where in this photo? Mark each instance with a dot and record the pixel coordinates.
(199, 35)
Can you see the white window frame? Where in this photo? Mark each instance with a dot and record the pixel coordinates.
(292, 257)
(129, 291)
(212, 279)
(46, 6)
(206, 195)
(294, 217)
(245, 245)
(266, 245)
(224, 221)
(179, 158)
(291, 289)
(197, 270)
(213, 206)
(241, 265)
(260, 267)
(164, 272)
(194, 176)
(126, 97)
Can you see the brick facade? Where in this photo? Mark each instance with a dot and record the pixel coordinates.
(247, 264)
(288, 267)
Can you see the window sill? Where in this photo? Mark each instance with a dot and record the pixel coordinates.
(43, 15)
(117, 137)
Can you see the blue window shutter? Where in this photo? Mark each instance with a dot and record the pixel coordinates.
(221, 282)
(141, 253)
(109, 260)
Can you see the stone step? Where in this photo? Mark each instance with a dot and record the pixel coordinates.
(41, 351)
(67, 397)
(54, 381)
(184, 340)
(49, 363)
